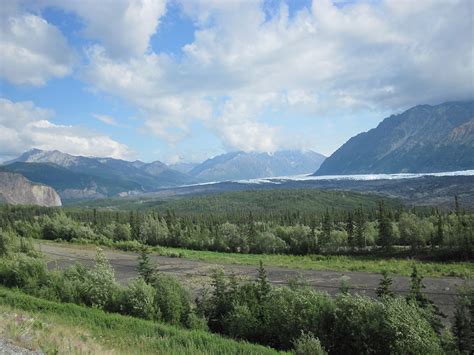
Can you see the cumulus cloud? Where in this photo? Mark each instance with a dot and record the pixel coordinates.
(243, 64)
(24, 126)
(33, 50)
(123, 27)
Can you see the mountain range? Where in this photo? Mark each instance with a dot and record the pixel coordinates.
(79, 177)
(422, 139)
(242, 165)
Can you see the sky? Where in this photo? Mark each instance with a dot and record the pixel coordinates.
(185, 80)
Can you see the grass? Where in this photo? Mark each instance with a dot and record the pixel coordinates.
(331, 263)
(67, 328)
(376, 264)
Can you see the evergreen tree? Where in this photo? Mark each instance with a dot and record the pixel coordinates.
(144, 268)
(359, 228)
(457, 208)
(385, 286)
(439, 236)
(463, 325)
(350, 230)
(263, 285)
(416, 286)
(385, 229)
(326, 228)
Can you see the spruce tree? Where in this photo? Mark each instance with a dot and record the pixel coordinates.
(326, 228)
(385, 229)
(385, 286)
(463, 325)
(359, 228)
(263, 285)
(144, 268)
(439, 237)
(350, 230)
(416, 285)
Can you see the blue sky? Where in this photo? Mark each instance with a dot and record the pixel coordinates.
(183, 80)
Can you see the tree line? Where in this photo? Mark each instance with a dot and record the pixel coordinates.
(385, 230)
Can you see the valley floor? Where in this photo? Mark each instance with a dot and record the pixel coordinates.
(196, 274)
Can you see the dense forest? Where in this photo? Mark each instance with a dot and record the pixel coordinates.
(381, 228)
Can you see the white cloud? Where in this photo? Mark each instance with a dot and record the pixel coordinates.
(33, 50)
(24, 126)
(241, 65)
(122, 27)
(106, 119)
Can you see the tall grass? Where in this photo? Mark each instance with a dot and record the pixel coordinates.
(120, 334)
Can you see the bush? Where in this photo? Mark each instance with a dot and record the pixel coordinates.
(171, 300)
(307, 344)
(100, 283)
(23, 272)
(138, 300)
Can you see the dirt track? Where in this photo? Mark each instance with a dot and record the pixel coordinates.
(442, 290)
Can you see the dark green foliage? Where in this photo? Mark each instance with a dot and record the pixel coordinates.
(385, 286)
(463, 326)
(5, 243)
(263, 285)
(326, 228)
(144, 268)
(385, 229)
(345, 325)
(139, 300)
(288, 232)
(360, 223)
(416, 286)
(172, 301)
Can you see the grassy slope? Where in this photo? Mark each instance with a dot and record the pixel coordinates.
(65, 328)
(257, 201)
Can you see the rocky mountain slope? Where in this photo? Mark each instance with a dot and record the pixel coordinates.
(242, 165)
(16, 189)
(77, 177)
(422, 139)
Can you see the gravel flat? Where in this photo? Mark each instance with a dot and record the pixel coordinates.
(441, 290)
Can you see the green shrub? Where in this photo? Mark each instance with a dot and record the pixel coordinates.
(138, 300)
(171, 299)
(101, 283)
(23, 272)
(307, 344)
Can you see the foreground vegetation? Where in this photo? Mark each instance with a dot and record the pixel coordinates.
(294, 318)
(67, 328)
